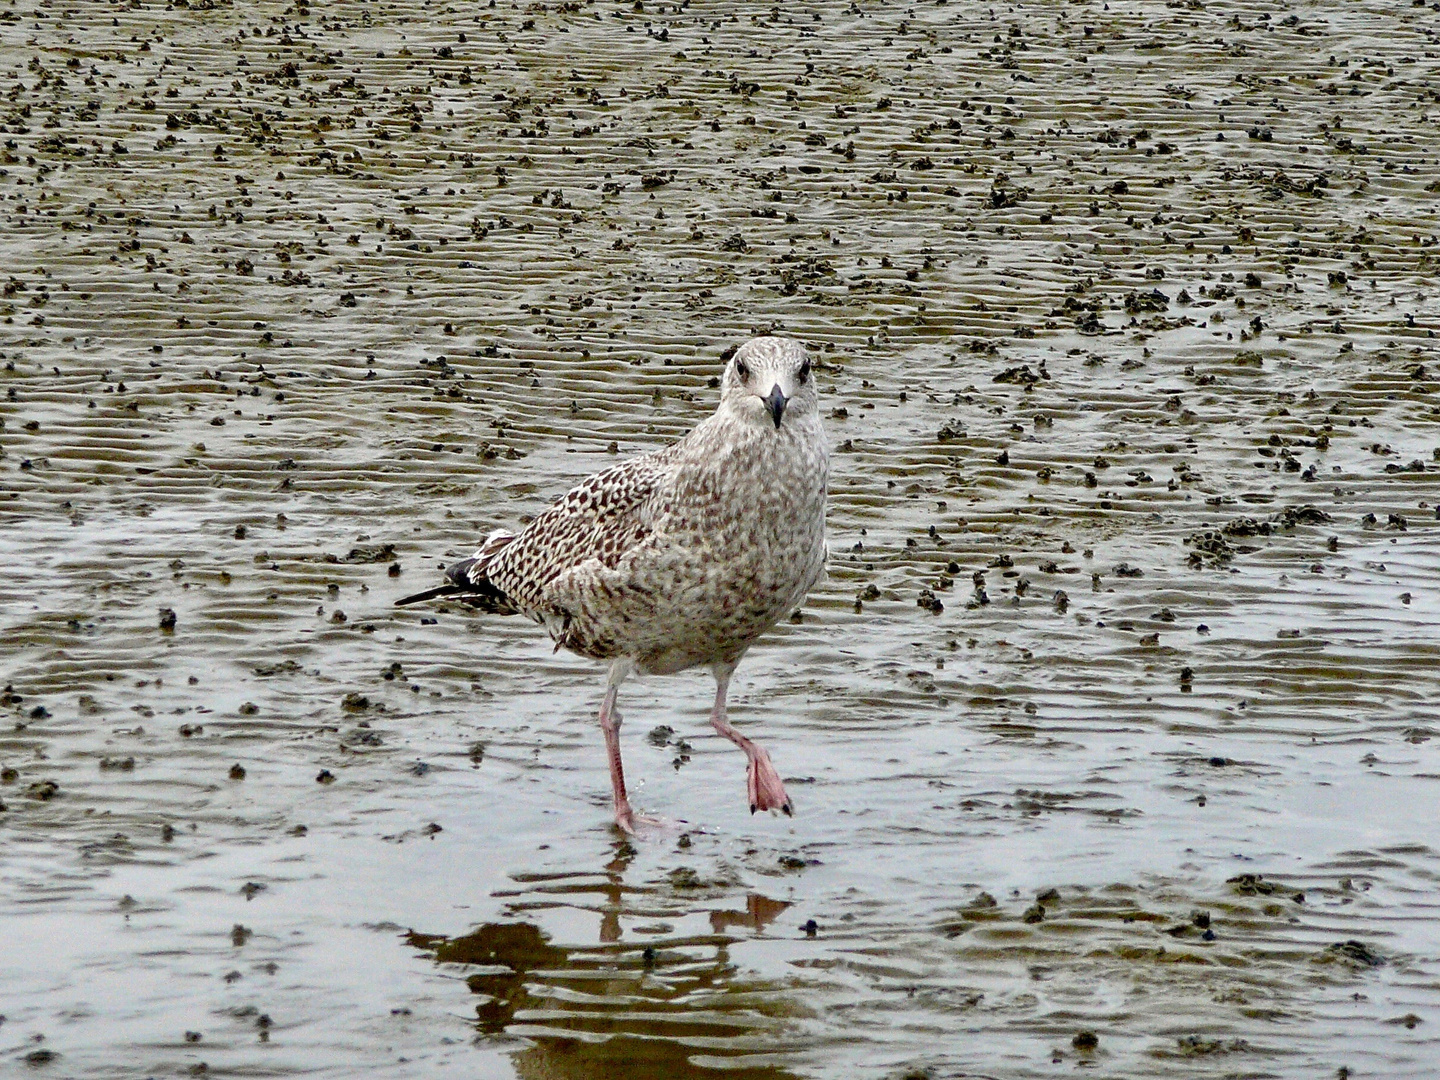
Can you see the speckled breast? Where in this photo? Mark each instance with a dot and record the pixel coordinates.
(746, 548)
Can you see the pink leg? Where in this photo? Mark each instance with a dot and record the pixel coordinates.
(625, 817)
(610, 724)
(766, 790)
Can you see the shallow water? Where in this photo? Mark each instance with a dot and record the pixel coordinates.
(268, 375)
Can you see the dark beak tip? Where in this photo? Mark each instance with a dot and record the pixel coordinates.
(776, 400)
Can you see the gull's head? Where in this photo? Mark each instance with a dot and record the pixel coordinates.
(768, 381)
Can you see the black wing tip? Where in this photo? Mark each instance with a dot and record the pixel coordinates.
(461, 584)
(428, 594)
(457, 583)
(458, 574)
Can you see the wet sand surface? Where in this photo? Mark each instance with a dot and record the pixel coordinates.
(1111, 732)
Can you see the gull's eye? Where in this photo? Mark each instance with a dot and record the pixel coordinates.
(804, 372)
(742, 372)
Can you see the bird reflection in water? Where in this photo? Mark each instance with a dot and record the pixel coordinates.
(676, 1007)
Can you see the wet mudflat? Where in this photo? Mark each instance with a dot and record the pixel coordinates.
(1111, 732)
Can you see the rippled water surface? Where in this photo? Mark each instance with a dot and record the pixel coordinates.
(1111, 732)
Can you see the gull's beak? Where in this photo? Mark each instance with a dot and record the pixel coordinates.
(775, 402)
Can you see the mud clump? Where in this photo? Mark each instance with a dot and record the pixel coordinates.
(42, 790)
(1210, 546)
(1356, 953)
(1246, 526)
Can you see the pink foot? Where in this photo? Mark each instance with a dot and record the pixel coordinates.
(766, 790)
(630, 823)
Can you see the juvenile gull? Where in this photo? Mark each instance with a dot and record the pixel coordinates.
(680, 557)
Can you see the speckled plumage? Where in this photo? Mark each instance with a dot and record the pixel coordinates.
(683, 556)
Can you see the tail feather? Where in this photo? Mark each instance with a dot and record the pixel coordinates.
(467, 581)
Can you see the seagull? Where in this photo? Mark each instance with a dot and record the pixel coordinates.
(679, 558)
